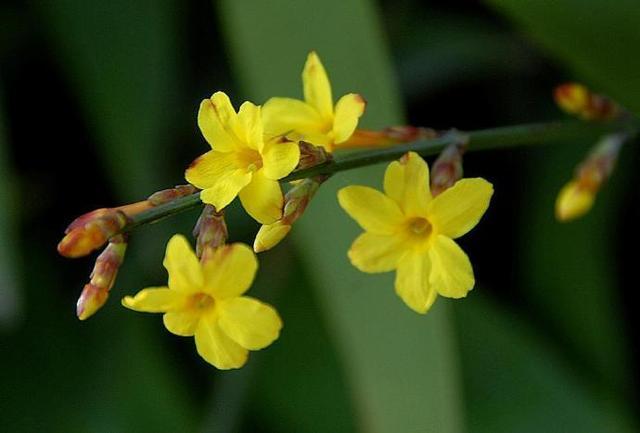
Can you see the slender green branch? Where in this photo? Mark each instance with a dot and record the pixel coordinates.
(486, 139)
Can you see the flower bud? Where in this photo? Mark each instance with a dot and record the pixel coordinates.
(386, 137)
(296, 201)
(447, 169)
(167, 195)
(103, 276)
(311, 156)
(90, 231)
(576, 198)
(578, 100)
(210, 231)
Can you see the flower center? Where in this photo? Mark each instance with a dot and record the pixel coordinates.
(201, 301)
(420, 227)
(250, 160)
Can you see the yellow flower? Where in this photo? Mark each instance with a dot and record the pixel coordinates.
(409, 231)
(315, 119)
(205, 301)
(242, 162)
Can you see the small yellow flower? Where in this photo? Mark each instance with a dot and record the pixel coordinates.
(315, 119)
(205, 301)
(409, 231)
(242, 162)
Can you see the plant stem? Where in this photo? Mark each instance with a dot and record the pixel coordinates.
(485, 139)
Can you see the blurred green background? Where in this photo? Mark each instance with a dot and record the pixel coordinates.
(97, 107)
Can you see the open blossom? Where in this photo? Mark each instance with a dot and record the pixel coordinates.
(242, 162)
(205, 300)
(409, 231)
(315, 119)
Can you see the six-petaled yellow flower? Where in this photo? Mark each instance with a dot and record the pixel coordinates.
(242, 161)
(205, 301)
(408, 230)
(315, 120)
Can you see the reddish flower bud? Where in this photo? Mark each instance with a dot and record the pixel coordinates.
(90, 231)
(311, 156)
(210, 231)
(579, 101)
(103, 276)
(386, 137)
(167, 195)
(447, 169)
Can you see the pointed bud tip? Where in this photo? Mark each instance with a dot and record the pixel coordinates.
(270, 235)
(573, 202)
(90, 301)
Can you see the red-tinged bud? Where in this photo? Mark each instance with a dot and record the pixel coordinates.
(296, 201)
(210, 231)
(311, 156)
(386, 137)
(103, 276)
(447, 169)
(168, 195)
(90, 231)
(578, 100)
(577, 197)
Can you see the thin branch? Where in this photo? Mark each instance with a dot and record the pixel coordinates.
(485, 139)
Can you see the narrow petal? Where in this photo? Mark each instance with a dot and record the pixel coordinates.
(210, 123)
(208, 169)
(183, 323)
(459, 208)
(230, 271)
(155, 300)
(216, 347)
(374, 253)
(226, 189)
(270, 235)
(317, 89)
(280, 158)
(250, 122)
(262, 198)
(185, 273)
(281, 116)
(348, 110)
(228, 117)
(451, 272)
(412, 282)
(374, 211)
(407, 183)
(249, 322)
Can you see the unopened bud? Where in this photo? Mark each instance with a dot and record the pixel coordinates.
(103, 277)
(168, 195)
(296, 201)
(90, 231)
(311, 156)
(386, 137)
(447, 169)
(577, 197)
(210, 231)
(578, 100)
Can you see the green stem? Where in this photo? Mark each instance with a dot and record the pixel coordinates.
(485, 139)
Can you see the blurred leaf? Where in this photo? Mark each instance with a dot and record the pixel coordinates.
(400, 367)
(515, 382)
(9, 295)
(120, 57)
(598, 39)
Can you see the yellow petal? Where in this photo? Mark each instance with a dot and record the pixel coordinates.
(210, 168)
(573, 201)
(374, 211)
(459, 208)
(183, 323)
(317, 89)
(155, 300)
(226, 189)
(214, 119)
(412, 282)
(407, 183)
(348, 110)
(280, 158)
(250, 123)
(216, 347)
(230, 271)
(451, 272)
(185, 273)
(262, 198)
(270, 235)
(281, 116)
(249, 322)
(374, 253)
